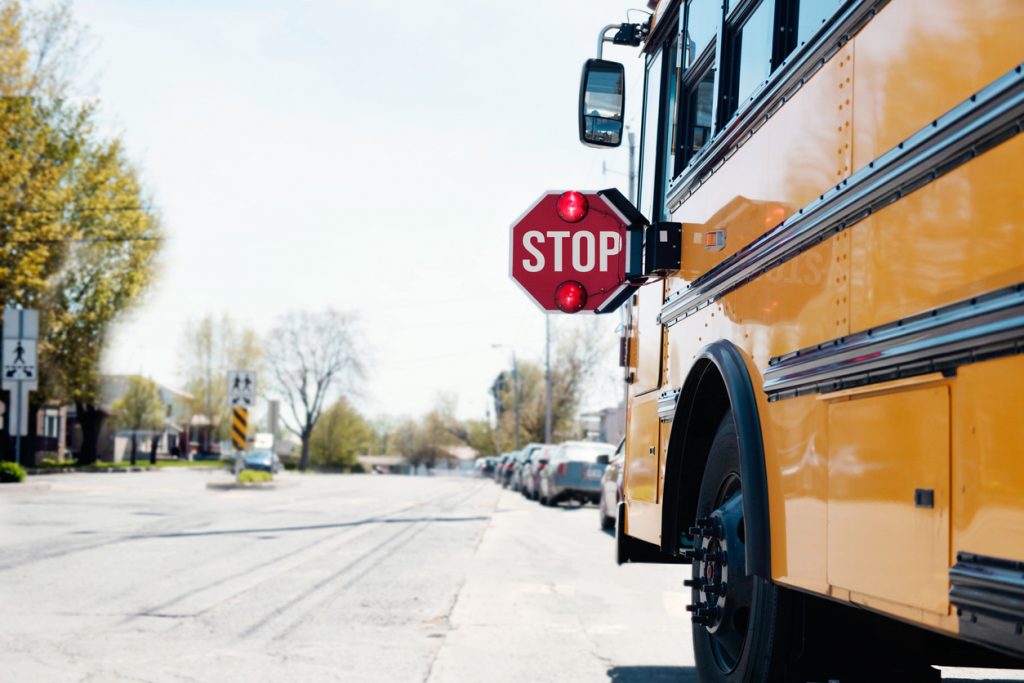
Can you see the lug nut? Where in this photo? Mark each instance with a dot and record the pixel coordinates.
(715, 556)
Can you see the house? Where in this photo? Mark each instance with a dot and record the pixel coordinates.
(114, 445)
(607, 425)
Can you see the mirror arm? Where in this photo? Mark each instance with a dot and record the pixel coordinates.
(602, 38)
(626, 34)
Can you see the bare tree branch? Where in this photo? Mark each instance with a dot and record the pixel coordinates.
(312, 357)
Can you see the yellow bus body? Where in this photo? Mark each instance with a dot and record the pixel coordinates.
(842, 467)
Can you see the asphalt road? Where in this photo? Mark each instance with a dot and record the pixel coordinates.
(155, 577)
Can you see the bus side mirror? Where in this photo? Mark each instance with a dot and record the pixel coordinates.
(602, 103)
(602, 459)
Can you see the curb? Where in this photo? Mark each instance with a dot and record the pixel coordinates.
(37, 471)
(230, 485)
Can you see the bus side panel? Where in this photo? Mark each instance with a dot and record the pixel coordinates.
(957, 237)
(988, 465)
(917, 59)
(800, 151)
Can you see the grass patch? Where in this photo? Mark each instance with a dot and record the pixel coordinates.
(254, 477)
(11, 473)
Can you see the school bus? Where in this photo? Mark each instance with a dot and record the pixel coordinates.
(826, 392)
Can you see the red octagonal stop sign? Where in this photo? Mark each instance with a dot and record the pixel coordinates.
(571, 250)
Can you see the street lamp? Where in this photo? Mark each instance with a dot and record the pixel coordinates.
(515, 384)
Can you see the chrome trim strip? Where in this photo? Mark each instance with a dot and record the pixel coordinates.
(983, 121)
(667, 404)
(796, 70)
(978, 329)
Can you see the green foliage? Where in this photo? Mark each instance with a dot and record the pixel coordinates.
(481, 436)
(339, 436)
(254, 477)
(78, 238)
(54, 464)
(140, 407)
(11, 473)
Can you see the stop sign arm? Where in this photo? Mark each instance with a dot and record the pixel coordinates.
(578, 251)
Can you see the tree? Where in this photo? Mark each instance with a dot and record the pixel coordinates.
(339, 436)
(77, 237)
(311, 357)
(210, 348)
(481, 436)
(431, 438)
(577, 356)
(139, 409)
(105, 273)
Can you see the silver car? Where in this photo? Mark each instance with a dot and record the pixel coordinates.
(574, 471)
(530, 475)
(611, 488)
(521, 464)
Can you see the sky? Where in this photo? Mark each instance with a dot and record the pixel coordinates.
(366, 157)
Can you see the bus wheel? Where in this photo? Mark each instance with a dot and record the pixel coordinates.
(738, 618)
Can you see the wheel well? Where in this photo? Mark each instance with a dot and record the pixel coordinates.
(702, 404)
(717, 383)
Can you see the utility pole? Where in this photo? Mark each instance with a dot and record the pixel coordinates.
(632, 166)
(515, 378)
(626, 312)
(547, 378)
(515, 389)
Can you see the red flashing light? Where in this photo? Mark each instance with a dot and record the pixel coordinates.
(562, 469)
(570, 296)
(572, 206)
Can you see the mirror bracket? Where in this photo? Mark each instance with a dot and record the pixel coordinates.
(625, 34)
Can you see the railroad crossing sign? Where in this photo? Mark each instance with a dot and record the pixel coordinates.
(576, 251)
(242, 388)
(19, 372)
(239, 428)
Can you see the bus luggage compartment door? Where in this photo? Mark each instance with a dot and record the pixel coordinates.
(888, 496)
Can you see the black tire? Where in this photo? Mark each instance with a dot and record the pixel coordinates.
(743, 639)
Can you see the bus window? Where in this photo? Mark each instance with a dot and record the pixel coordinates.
(753, 50)
(699, 97)
(668, 145)
(703, 18)
(649, 134)
(811, 14)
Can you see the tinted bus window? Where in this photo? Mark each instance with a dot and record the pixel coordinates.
(699, 108)
(702, 20)
(755, 50)
(649, 141)
(811, 15)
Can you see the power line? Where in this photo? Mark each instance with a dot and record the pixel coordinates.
(83, 240)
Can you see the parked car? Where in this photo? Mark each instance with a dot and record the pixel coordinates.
(611, 488)
(497, 467)
(522, 482)
(574, 472)
(485, 466)
(508, 468)
(531, 471)
(266, 461)
(515, 478)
